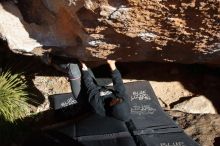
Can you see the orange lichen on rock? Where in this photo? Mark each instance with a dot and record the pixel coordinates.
(185, 31)
(184, 25)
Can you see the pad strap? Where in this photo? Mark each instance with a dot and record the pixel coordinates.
(103, 136)
(158, 130)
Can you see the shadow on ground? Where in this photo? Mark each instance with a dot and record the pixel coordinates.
(198, 79)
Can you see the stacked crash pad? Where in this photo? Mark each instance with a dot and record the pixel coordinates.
(149, 124)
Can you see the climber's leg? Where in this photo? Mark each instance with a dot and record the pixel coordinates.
(75, 78)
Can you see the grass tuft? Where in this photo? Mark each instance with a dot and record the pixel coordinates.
(13, 97)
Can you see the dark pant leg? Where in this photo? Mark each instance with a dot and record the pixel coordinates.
(93, 76)
(75, 87)
(75, 79)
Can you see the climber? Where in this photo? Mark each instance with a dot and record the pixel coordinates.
(107, 102)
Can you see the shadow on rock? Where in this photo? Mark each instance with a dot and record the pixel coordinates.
(217, 141)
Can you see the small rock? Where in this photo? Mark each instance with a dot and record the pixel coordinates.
(195, 105)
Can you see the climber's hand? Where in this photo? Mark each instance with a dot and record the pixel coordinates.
(84, 67)
(112, 64)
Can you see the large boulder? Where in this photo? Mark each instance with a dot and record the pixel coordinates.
(127, 30)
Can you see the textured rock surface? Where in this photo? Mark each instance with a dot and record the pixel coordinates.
(51, 23)
(200, 104)
(12, 29)
(205, 129)
(186, 31)
(174, 96)
(165, 91)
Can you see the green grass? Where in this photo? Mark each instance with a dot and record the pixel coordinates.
(13, 97)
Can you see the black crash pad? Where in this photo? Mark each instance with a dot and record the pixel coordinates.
(99, 131)
(149, 126)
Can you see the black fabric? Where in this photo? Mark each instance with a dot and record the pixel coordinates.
(88, 126)
(66, 106)
(120, 111)
(111, 142)
(75, 79)
(50, 138)
(168, 139)
(73, 71)
(131, 128)
(59, 101)
(149, 124)
(145, 108)
(76, 87)
(99, 131)
(93, 94)
(99, 103)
